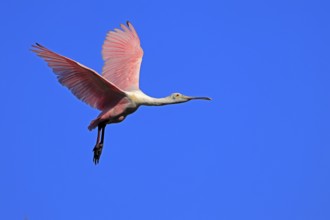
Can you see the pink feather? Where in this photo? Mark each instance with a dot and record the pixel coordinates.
(122, 54)
(83, 82)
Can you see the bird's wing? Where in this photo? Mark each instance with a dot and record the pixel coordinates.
(122, 54)
(83, 82)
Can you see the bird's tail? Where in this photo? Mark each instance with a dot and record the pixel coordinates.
(94, 124)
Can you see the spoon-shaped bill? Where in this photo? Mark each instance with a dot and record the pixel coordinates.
(198, 97)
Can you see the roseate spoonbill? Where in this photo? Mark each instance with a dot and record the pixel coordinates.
(116, 93)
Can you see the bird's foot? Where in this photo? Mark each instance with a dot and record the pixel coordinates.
(97, 152)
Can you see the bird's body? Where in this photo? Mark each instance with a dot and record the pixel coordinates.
(116, 93)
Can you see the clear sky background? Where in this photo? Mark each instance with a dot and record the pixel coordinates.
(259, 150)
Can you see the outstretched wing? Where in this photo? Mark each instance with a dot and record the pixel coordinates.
(122, 54)
(83, 82)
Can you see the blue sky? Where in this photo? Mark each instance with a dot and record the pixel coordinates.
(258, 150)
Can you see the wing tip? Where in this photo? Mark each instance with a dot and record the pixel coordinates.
(37, 45)
(128, 23)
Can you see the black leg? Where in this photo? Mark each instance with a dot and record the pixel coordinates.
(98, 134)
(99, 144)
(102, 137)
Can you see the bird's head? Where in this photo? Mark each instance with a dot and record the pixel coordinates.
(178, 98)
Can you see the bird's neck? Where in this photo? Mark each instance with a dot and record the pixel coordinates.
(142, 99)
(151, 101)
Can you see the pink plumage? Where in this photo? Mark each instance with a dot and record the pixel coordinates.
(83, 82)
(122, 54)
(116, 93)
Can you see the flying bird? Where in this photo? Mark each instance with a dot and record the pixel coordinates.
(116, 92)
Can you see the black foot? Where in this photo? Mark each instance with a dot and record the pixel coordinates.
(97, 153)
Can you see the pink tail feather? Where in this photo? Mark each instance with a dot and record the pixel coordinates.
(94, 124)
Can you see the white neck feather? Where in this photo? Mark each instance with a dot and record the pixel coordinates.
(139, 98)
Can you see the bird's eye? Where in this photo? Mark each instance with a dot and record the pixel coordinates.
(176, 95)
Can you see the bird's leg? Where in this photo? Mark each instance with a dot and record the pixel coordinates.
(102, 136)
(99, 144)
